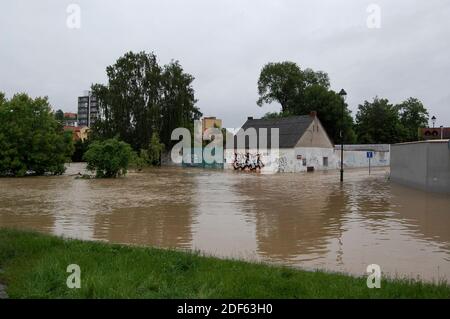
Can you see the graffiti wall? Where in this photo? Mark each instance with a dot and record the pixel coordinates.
(247, 161)
(300, 159)
(282, 160)
(251, 160)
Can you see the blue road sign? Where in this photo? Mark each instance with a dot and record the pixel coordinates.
(369, 154)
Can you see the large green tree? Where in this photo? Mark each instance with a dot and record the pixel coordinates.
(301, 91)
(285, 83)
(332, 111)
(413, 115)
(31, 139)
(142, 98)
(280, 82)
(382, 122)
(379, 122)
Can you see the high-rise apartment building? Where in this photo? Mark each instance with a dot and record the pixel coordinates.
(88, 111)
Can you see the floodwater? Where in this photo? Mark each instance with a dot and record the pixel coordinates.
(307, 220)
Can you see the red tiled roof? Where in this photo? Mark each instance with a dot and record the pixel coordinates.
(69, 115)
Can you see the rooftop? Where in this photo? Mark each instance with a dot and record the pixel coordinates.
(291, 129)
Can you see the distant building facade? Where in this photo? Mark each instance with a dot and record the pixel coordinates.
(211, 122)
(78, 132)
(434, 133)
(88, 111)
(70, 119)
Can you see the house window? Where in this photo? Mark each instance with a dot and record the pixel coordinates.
(325, 161)
(304, 162)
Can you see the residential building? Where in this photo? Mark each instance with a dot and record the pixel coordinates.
(211, 122)
(70, 119)
(88, 111)
(302, 145)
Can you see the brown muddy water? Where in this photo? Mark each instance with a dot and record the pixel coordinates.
(307, 220)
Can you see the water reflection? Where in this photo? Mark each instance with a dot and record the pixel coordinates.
(307, 220)
(430, 213)
(159, 211)
(295, 215)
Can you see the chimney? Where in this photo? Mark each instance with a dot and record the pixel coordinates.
(250, 118)
(313, 114)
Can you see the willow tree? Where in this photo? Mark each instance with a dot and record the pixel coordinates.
(142, 98)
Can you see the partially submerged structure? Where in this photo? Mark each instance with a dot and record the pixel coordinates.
(303, 145)
(358, 155)
(287, 144)
(424, 165)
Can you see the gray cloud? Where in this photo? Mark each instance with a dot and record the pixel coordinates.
(224, 44)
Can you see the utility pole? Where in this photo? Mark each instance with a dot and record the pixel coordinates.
(343, 95)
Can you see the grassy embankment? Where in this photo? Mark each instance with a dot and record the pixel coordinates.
(34, 266)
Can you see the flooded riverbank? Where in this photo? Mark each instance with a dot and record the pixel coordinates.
(305, 220)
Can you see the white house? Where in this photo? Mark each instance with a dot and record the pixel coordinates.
(303, 145)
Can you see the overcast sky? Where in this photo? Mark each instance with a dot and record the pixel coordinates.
(224, 45)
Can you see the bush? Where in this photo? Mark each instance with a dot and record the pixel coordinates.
(154, 151)
(109, 158)
(31, 140)
(139, 161)
(150, 156)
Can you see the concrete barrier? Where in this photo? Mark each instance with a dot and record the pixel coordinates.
(424, 165)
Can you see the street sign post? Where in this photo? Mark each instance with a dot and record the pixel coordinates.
(369, 156)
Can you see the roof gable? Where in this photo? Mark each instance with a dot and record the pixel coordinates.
(291, 129)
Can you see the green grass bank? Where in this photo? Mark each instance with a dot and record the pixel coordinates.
(34, 266)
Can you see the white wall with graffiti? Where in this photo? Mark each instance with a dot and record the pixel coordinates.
(283, 160)
(301, 159)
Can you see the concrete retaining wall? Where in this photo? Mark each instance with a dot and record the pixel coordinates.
(424, 165)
